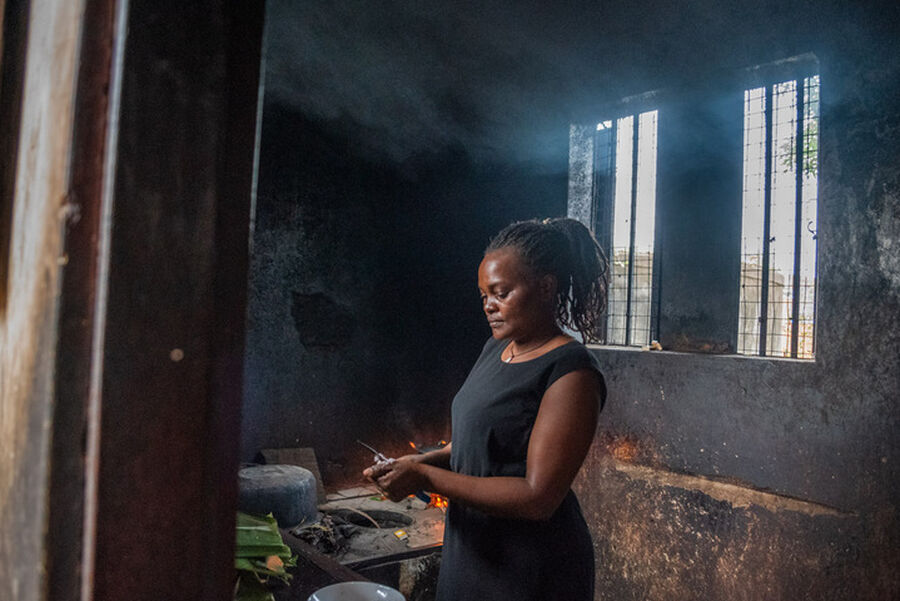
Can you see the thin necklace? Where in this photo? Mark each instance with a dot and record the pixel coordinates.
(531, 350)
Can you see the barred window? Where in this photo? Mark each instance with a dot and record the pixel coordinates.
(704, 197)
(625, 195)
(778, 258)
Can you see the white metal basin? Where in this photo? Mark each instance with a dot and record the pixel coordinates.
(356, 591)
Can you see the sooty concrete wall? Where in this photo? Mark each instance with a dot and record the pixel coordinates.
(363, 312)
(725, 477)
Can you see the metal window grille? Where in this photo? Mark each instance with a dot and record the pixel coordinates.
(778, 262)
(625, 215)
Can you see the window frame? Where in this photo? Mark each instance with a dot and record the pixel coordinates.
(799, 74)
(603, 200)
(583, 193)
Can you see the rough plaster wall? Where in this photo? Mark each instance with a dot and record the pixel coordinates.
(27, 330)
(775, 432)
(581, 173)
(356, 267)
(665, 537)
(823, 432)
(310, 252)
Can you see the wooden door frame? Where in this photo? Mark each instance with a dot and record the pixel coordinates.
(148, 382)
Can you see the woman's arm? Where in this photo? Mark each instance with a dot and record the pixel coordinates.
(560, 440)
(438, 457)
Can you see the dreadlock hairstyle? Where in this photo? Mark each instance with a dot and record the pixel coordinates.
(567, 250)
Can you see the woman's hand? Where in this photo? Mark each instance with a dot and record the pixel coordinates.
(401, 478)
(373, 473)
(376, 471)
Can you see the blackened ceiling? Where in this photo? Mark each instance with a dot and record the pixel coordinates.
(503, 79)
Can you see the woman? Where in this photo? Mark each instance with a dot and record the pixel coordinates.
(522, 424)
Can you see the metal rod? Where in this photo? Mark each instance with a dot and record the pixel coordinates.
(634, 179)
(609, 209)
(767, 209)
(798, 219)
(815, 292)
(656, 259)
(368, 447)
(605, 200)
(379, 457)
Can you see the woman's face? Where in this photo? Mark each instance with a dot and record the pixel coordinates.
(517, 303)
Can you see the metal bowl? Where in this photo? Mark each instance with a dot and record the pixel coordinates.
(356, 591)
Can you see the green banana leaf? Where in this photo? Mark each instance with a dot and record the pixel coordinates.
(258, 566)
(258, 536)
(257, 531)
(257, 539)
(282, 551)
(251, 589)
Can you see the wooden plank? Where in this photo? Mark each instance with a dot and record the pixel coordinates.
(382, 560)
(176, 302)
(35, 153)
(13, 45)
(78, 291)
(339, 572)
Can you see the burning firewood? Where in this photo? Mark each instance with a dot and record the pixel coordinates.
(438, 501)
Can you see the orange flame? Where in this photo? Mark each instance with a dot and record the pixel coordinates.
(412, 444)
(438, 501)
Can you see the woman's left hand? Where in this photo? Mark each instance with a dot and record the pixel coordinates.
(403, 478)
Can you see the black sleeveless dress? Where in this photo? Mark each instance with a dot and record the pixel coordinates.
(486, 558)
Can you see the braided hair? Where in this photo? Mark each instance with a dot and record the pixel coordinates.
(565, 249)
